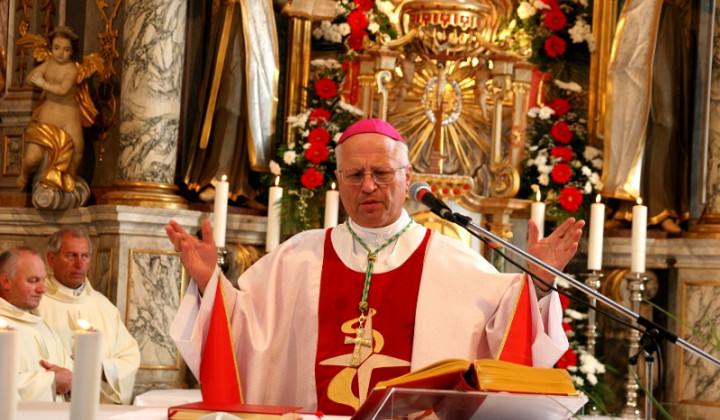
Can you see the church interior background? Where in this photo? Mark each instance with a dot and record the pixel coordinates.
(445, 79)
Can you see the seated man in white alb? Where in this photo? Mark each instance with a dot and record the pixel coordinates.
(45, 365)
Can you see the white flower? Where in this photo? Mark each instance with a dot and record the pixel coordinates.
(571, 86)
(586, 171)
(582, 32)
(535, 188)
(578, 380)
(546, 112)
(350, 108)
(344, 28)
(592, 379)
(291, 145)
(330, 64)
(386, 7)
(533, 112)
(540, 5)
(588, 188)
(274, 167)
(336, 137)
(595, 178)
(573, 314)
(597, 163)
(571, 368)
(562, 283)
(591, 152)
(525, 10)
(298, 120)
(373, 27)
(289, 157)
(544, 179)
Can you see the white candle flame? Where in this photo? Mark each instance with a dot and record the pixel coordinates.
(3, 324)
(597, 198)
(84, 325)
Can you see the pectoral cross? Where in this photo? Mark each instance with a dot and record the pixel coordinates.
(359, 342)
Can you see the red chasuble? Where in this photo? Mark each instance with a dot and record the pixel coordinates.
(392, 319)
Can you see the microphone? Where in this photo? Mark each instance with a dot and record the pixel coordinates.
(420, 192)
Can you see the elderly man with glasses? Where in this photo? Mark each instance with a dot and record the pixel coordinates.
(325, 316)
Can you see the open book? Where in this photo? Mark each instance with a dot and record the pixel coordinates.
(452, 375)
(195, 410)
(312, 9)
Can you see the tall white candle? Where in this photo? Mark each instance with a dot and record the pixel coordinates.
(537, 214)
(332, 205)
(222, 189)
(595, 240)
(639, 237)
(87, 371)
(272, 238)
(9, 358)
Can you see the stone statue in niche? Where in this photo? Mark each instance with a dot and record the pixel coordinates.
(54, 140)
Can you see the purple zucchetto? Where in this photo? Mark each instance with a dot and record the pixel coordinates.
(371, 125)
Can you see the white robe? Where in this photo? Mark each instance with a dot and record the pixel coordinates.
(38, 342)
(462, 311)
(61, 309)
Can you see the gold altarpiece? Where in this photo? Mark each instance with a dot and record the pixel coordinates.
(458, 98)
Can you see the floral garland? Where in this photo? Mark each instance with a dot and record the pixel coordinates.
(585, 369)
(306, 167)
(558, 162)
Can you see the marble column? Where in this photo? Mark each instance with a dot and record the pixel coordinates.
(152, 67)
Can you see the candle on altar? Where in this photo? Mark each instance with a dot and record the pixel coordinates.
(272, 238)
(220, 208)
(332, 204)
(9, 357)
(87, 373)
(595, 239)
(639, 237)
(537, 214)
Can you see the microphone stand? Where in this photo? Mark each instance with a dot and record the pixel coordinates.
(654, 334)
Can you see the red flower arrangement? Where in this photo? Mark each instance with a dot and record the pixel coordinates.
(319, 115)
(562, 152)
(554, 46)
(561, 173)
(568, 359)
(555, 20)
(561, 132)
(312, 178)
(326, 88)
(561, 106)
(570, 198)
(319, 135)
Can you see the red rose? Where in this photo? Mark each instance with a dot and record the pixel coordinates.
(561, 132)
(555, 20)
(561, 106)
(316, 153)
(562, 152)
(355, 40)
(567, 359)
(357, 20)
(561, 173)
(364, 5)
(554, 46)
(326, 88)
(319, 135)
(564, 302)
(319, 115)
(311, 178)
(570, 198)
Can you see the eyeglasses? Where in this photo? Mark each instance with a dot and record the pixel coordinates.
(381, 175)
